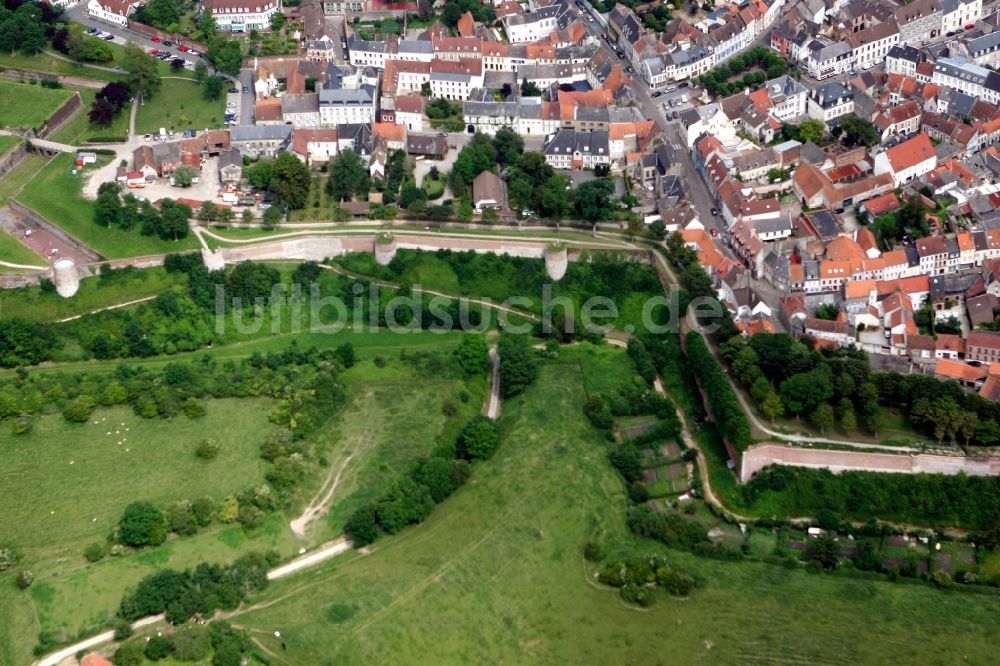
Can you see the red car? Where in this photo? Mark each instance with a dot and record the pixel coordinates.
(153, 51)
(182, 48)
(154, 38)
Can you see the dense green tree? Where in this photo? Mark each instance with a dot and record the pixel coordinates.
(822, 416)
(825, 550)
(290, 181)
(478, 439)
(226, 55)
(811, 130)
(473, 354)
(509, 145)
(79, 409)
(347, 174)
(437, 475)
(162, 14)
(592, 200)
(407, 502)
(22, 30)
(518, 365)
(213, 87)
(142, 524)
(259, 173)
(143, 71)
(529, 89)
(107, 208)
(857, 131)
(477, 156)
(206, 25)
(361, 527)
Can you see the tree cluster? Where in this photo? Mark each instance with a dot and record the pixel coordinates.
(109, 101)
(638, 577)
(518, 364)
(129, 213)
(412, 497)
(199, 591)
(924, 499)
(286, 178)
(23, 27)
(769, 63)
(726, 411)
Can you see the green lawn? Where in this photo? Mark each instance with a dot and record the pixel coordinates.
(27, 105)
(14, 251)
(65, 485)
(55, 193)
(33, 303)
(78, 129)
(496, 576)
(179, 105)
(19, 176)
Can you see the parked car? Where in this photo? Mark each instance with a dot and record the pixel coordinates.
(233, 91)
(93, 31)
(245, 90)
(676, 115)
(684, 99)
(657, 93)
(147, 137)
(682, 84)
(670, 88)
(182, 48)
(154, 38)
(153, 52)
(714, 211)
(714, 232)
(109, 38)
(167, 42)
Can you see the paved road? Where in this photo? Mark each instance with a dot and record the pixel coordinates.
(78, 13)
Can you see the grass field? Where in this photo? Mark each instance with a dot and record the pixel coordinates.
(55, 193)
(179, 105)
(78, 129)
(387, 426)
(47, 63)
(65, 485)
(8, 142)
(496, 576)
(35, 304)
(14, 251)
(27, 105)
(21, 175)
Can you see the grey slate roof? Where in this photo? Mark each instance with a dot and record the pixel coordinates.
(259, 133)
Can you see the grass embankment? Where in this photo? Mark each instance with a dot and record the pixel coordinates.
(7, 143)
(499, 566)
(78, 129)
(392, 420)
(21, 175)
(26, 105)
(49, 64)
(55, 193)
(179, 105)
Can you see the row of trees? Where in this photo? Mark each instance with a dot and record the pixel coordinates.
(198, 592)
(129, 213)
(636, 578)
(717, 83)
(412, 497)
(191, 643)
(922, 499)
(729, 417)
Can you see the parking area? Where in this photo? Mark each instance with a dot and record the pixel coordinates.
(206, 189)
